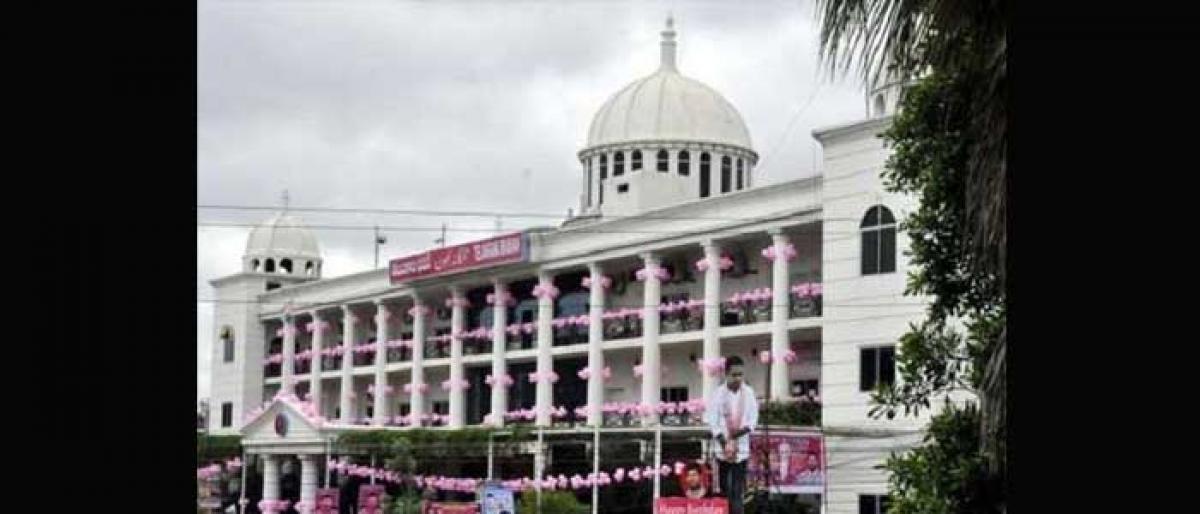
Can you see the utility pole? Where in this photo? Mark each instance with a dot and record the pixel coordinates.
(442, 240)
(379, 240)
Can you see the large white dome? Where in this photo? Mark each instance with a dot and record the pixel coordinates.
(668, 106)
(283, 235)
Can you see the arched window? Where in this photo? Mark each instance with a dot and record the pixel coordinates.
(269, 266)
(740, 174)
(684, 163)
(705, 174)
(635, 161)
(285, 266)
(879, 105)
(726, 172)
(618, 164)
(310, 268)
(664, 161)
(254, 264)
(878, 241)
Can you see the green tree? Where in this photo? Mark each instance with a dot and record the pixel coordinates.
(949, 139)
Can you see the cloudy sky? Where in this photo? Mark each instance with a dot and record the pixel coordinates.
(469, 105)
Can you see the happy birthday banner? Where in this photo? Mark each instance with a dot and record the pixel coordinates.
(550, 482)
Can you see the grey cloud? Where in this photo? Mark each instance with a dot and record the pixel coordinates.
(462, 105)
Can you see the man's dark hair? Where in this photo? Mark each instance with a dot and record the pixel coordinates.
(733, 360)
(693, 466)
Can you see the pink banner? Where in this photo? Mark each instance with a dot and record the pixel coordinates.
(797, 462)
(488, 252)
(690, 506)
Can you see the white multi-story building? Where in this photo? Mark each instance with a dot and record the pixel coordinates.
(665, 183)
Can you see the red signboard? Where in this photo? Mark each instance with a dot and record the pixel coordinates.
(449, 508)
(488, 252)
(691, 506)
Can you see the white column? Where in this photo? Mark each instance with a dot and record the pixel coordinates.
(651, 367)
(308, 480)
(346, 403)
(712, 314)
(318, 343)
(417, 397)
(595, 390)
(544, 391)
(585, 198)
(718, 173)
(694, 170)
(381, 337)
(457, 395)
(499, 345)
(595, 160)
(779, 317)
(289, 355)
(270, 477)
(749, 167)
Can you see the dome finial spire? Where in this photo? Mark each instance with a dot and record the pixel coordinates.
(286, 199)
(668, 44)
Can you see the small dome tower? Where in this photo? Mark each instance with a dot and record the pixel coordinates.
(283, 246)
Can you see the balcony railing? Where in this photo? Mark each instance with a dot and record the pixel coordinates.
(363, 354)
(437, 347)
(755, 305)
(622, 323)
(806, 299)
(681, 316)
(569, 330)
(684, 315)
(679, 414)
(399, 350)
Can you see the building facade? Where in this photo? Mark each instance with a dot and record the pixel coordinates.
(676, 259)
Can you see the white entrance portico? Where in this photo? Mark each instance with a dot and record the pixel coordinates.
(284, 429)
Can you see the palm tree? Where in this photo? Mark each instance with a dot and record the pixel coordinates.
(904, 39)
(901, 40)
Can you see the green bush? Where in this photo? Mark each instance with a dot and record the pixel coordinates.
(553, 502)
(803, 412)
(406, 504)
(217, 447)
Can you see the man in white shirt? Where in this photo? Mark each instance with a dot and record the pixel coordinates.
(732, 415)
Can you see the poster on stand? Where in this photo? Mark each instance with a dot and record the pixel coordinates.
(496, 499)
(796, 461)
(327, 501)
(451, 508)
(370, 499)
